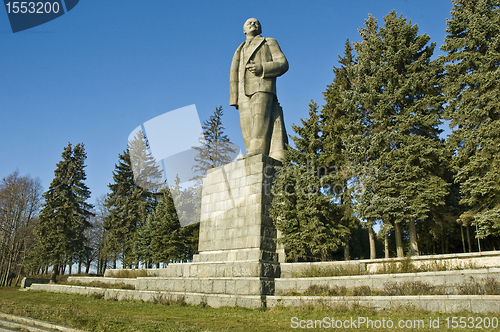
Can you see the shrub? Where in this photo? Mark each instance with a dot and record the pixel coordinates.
(491, 286)
(412, 288)
(130, 273)
(331, 271)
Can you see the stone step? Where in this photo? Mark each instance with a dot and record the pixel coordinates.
(213, 300)
(447, 280)
(222, 285)
(14, 326)
(481, 304)
(18, 323)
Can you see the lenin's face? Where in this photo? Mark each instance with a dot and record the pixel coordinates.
(252, 27)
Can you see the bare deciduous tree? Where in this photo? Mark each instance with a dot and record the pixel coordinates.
(20, 198)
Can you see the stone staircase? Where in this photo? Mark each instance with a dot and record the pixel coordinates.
(18, 323)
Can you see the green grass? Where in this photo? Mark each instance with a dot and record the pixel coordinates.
(95, 314)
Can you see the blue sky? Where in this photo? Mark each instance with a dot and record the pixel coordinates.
(96, 73)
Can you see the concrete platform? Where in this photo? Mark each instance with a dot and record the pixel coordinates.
(481, 304)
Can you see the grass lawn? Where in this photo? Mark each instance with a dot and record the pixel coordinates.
(96, 314)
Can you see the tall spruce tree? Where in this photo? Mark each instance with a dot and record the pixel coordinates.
(65, 213)
(162, 240)
(166, 242)
(397, 96)
(127, 210)
(302, 209)
(147, 172)
(137, 179)
(216, 149)
(336, 124)
(472, 92)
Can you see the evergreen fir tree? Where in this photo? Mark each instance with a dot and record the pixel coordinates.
(162, 240)
(65, 213)
(137, 181)
(302, 210)
(143, 250)
(185, 238)
(336, 125)
(397, 97)
(215, 147)
(128, 209)
(147, 172)
(472, 91)
(166, 242)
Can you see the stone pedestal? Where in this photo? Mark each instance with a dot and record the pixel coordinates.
(238, 258)
(236, 233)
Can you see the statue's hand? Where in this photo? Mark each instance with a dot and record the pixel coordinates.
(255, 68)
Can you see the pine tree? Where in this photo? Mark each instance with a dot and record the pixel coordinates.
(143, 251)
(147, 172)
(185, 237)
(65, 213)
(128, 209)
(302, 210)
(165, 242)
(162, 240)
(397, 97)
(215, 147)
(336, 125)
(137, 180)
(472, 91)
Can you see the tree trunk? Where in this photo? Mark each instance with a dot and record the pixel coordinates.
(87, 265)
(463, 238)
(104, 265)
(386, 245)
(7, 272)
(478, 241)
(399, 241)
(413, 238)
(53, 276)
(80, 267)
(371, 236)
(468, 238)
(347, 254)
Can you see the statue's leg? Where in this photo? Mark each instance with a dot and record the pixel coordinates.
(279, 139)
(246, 121)
(261, 104)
